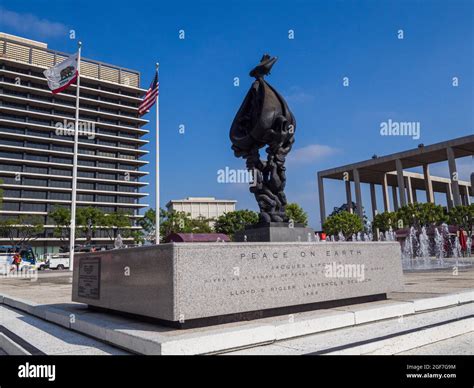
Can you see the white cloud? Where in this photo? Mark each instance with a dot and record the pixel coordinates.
(298, 95)
(311, 153)
(30, 24)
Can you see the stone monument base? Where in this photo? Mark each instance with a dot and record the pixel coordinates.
(275, 232)
(192, 284)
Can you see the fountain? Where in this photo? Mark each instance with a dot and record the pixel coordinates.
(424, 247)
(440, 251)
(420, 252)
(341, 237)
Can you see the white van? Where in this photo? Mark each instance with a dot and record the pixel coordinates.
(59, 261)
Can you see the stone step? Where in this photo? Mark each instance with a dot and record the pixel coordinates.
(387, 337)
(140, 337)
(25, 334)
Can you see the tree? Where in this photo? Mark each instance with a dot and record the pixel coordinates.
(462, 216)
(147, 222)
(296, 213)
(345, 208)
(173, 222)
(181, 222)
(344, 222)
(383, 221)
(62, 222)
(421, 214)
(137, 236)
(88, 219)
(232, 222)
(21, 230)
(116, 223)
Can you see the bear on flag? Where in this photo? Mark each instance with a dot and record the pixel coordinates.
(62, 75)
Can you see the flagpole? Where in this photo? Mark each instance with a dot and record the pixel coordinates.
(157, 194)
(74, 164)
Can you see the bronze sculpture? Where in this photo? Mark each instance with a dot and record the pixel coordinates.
(264, 119)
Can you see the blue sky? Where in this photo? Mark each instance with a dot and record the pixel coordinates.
(406, 79)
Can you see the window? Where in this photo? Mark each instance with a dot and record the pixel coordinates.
(12, 130)
(129, 178)
(11, 155)
(106, 131)
(39, 158)
(89, 163)
(36, 170)
(108, 154)
(103, 175)
(85, 186)
(105, 198)
(86, 151)
(39, 121)
(9, 180)
(56, 183)
(126, 166)
(86, 174)
(9, 142)
(34, 132)
(123, 199)
(33, 207)
(11, 193)
(61, 196)
(127, 189)
(106, 165)
(85, 197)
(127, 156)
(35, 182)
(107, 143)
(10, 167)
(34, 194)
(62, 148)
(101, 186)
(14, 117)
(57, 159)
(11, 206)
(60, 171)
(43, 146)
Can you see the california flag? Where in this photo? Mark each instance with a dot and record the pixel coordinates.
(62, 75)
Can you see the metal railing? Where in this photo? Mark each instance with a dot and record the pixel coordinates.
(43, 57)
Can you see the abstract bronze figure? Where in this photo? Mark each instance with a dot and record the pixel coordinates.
(264, 119)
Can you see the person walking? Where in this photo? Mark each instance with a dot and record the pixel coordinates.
(17, 260)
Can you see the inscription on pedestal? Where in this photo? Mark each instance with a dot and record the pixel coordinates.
(89, 278)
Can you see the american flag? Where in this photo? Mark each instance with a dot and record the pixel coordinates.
(150, 96)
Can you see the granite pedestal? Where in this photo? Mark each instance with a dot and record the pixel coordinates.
(192, 284)
(275, 232)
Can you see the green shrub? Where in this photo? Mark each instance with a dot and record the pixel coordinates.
(462, 216)
(344, 222)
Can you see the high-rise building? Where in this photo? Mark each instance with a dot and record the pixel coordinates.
(36, 152)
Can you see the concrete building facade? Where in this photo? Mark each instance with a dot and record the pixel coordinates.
(36, 157)
(390, 171)
(206, 207)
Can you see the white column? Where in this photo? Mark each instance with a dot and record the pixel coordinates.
(157, 194)
(72, 236)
